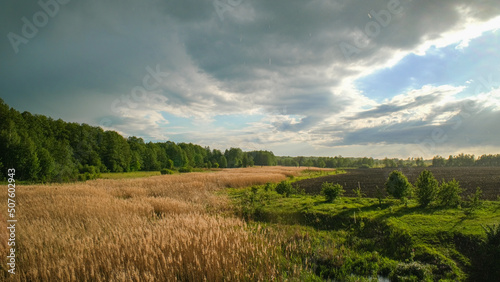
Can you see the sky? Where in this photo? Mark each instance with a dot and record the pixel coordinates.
(395, 78)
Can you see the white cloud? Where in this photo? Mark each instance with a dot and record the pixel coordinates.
(279, 59)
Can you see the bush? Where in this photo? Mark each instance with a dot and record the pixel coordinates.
(449, 194)
(166, 171)
(413, 271)
(185, 169)
(490, 254)
(170, 164)
(331, 191)
(492, 235)
(426, 187)
(81, 177)
(268, 187)
(397, 185)
(358, 193)
(285, 188)
(475, 199)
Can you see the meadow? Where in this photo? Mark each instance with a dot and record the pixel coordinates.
(169, 228)
(367, 236)
(232, 225)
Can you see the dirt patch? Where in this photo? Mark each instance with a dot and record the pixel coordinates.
(488, 178)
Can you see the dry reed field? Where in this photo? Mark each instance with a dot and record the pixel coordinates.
(161, 228)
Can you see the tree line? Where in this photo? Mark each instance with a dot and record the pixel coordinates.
(343, 162)
(44, 150)
(463, 160)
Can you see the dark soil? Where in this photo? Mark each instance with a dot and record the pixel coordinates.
(488, 178)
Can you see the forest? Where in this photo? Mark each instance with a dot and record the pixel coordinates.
(42, 149)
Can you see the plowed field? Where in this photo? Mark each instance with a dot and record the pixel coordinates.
(488, 178)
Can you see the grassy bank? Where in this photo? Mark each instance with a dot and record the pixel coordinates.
(364, 238)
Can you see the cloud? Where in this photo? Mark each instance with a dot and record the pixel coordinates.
(281, 59)
(452, 122)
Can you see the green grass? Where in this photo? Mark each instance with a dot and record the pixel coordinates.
(125, 175)
(308, 173)
(407, 242)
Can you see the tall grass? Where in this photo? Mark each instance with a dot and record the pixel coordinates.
(161, 228)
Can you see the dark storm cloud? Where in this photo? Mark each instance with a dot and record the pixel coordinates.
(264, 55)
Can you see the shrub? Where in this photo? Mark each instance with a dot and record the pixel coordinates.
(331, 191)
(397, 185)
(166, 171)
(357, 192)
(492, 235)
(185, 169)
(268, 187)
(491, 253)
(81, 177)
(413, 271)
(426, 188)
(475, 199)
(285, 188)
(449, 193)
(170, 164)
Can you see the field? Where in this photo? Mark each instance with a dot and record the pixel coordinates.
(232, 225)
(122, 175)
(487, 178)
(364, 238)
(171, 227)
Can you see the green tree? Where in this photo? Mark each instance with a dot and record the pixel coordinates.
(198, 160)
(308, 162)
(438, 161)
(397, 185)
(176, 154)
(170, 164)
(331, 191)
(47, 165)
(136, 162)
(285, 188)
(223, 162)
(389, 163)
(449, 193)
(65, 166)
(420, 162)
(245, 161)
(137, 149)
(263, 158)
(234, 157)
(116, 152)
(28, 162)
(151, 162)
(426, 188)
